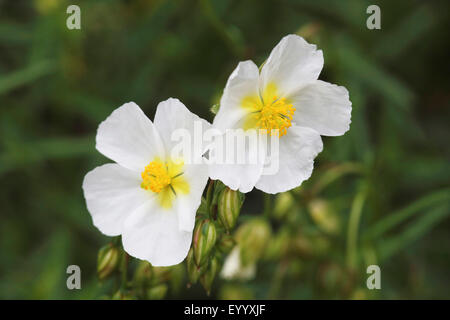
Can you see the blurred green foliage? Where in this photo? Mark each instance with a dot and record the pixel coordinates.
(379, 194)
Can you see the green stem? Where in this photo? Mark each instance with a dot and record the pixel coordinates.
(277, 280)
(124, 270)
(353, 226)
(221, 29)
(334, 174)
(209, 197)
(267, 205)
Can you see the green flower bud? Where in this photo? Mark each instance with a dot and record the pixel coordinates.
(207, 278)
(324, 216)
(203, 241)
(107, 262)
(301, 245)
(229, 206)
(143, 274)
(310, 245)
(278, 246)
(283, 203)
(226, 243)
(194, 272)
(253, 237)
(158, 292)
(161, 275)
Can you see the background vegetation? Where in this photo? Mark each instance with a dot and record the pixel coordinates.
(379, 194)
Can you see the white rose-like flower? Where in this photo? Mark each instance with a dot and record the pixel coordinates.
(286, 96)
(146, 196)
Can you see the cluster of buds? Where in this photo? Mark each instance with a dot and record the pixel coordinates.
(153, 282)
(211, 239)
(147, 282)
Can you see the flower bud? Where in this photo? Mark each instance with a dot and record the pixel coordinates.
(177, 278)
(283, 203)
(226, 243)
(278, 246)
(253, 237)
(194, 272)
(161, 275)
(207, 278)
(158, 292)
(229, 206)
(203, 241)
(107, 262)
(324, 216)
(310, 245)
(143, 274)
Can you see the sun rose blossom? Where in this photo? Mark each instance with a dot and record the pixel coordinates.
(287, 100)
(147, 196)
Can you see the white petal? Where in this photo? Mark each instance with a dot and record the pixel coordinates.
(292, 64)
(236, 176)
(128, 137)
(112, 193)
(242, 83)
(151, 233)
(324, 107)
(187, 205)
(242, 171)
(298, 148)
(172, 115)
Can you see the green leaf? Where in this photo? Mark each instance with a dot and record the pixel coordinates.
(394, 219)
(24, 76)
(413, 232)
(54, 148)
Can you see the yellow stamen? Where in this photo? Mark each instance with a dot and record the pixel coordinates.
(155, 176)
(269, 111)
(166, 179)
(275, 114)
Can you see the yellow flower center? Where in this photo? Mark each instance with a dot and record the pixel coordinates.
(268, 111)
(155, 176)
(275, 115)
(165, 179)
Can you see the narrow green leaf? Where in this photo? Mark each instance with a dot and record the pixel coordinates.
(27, 75)
(394, 219)
(413, 232)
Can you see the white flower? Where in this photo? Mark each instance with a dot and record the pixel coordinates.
(146, 196)
(233, 268)
(287, 96)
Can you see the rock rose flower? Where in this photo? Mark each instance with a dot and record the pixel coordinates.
(287, 100)
(147, 196)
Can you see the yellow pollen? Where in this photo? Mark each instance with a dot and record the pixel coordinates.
(275, 114)
(155, 176)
